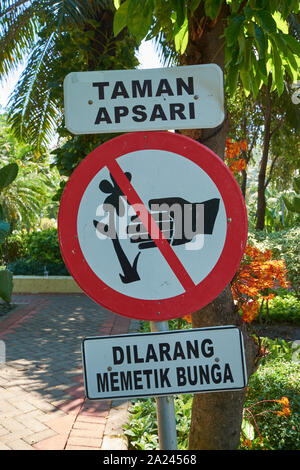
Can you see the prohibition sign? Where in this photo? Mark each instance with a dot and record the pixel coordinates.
(150, 274)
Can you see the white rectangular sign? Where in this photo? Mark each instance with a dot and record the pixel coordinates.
(164, 363)
(188, 97)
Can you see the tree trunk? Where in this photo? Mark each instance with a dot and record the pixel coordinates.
(216, 417)
(261, 197)
(244, 183)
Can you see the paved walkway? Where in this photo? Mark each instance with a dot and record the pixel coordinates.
(42, 398)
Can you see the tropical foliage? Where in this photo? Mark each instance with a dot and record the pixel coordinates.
(8, 174)
(257, 38)
(270, 415)
(53, 38)
(29, 197)
(256, 42)
(257, 278)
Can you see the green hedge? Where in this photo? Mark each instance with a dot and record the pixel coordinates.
(42, 247)
(29, 253)
(14, 247)
(28, 267)
(284, 308)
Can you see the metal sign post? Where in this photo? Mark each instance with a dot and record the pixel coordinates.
(165, 409)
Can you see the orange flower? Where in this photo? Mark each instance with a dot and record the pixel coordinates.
(188, 318)
(258, 272)
(232, 152)
(284, 401)
(285, 412)
(244, 145)
(247, 443)
(250, 310)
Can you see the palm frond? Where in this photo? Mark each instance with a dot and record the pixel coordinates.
(77, 11)
(33, 113)
(166, 52)
(32, 29)
(18, 34)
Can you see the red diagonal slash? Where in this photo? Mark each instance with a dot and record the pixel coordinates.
(151, 226)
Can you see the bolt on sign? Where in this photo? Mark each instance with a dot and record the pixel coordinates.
(154, 364)
(186, 97)
(152, 225)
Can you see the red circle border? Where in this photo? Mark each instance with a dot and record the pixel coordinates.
(229, 260)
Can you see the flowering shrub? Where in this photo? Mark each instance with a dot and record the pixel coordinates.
(233, 157)
(250, 425)
(272, 406)
(258, 274)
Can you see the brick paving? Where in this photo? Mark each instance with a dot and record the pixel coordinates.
(42, 398)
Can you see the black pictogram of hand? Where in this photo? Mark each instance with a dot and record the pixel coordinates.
(178, 219)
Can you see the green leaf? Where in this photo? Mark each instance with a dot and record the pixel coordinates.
(120, 18)
(232, 79)
(266, 21)
(212, 8)
(248, 12)
(293, 63)
(181, 13)
(248, 430)
(278, 71)
(182, 37)
(262, 70)
(242, 48)
(245, 77)
(233, 29)
(194, 5)
(281, 23)
(6, 285)
(261, 41)
(255, 82)
(293, 44)
(139, 18)
(287, 6)
(8, 174)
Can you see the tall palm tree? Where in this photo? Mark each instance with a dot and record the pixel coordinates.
(52, 38)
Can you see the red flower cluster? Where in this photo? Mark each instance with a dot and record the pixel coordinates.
(258, 273)
(233, 150)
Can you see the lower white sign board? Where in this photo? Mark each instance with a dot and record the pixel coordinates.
(164, 363)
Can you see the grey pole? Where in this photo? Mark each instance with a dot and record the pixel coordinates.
(165, 410)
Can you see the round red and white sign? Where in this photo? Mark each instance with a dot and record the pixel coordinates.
(152, 225)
